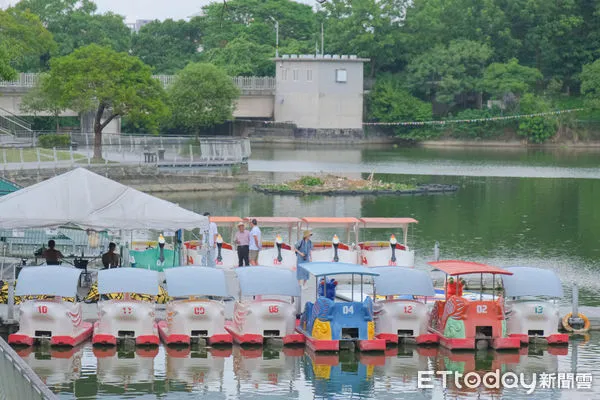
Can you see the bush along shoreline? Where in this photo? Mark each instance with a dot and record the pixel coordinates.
(331, 185)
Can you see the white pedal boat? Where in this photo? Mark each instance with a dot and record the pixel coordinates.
(279, 252)
(191, 314)
(127, 318)
(334, 250)
(532, 312)
(124, 368)
(391, 253)
(51, 318)
(402, 314)
(263, 309)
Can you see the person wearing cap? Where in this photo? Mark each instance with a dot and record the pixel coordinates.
(255, 242)
(242, 240)
(303, 255)
(211, 239)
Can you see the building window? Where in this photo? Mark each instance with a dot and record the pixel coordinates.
(295, 72)
(341, 75)
(309, 75)
(284, 74)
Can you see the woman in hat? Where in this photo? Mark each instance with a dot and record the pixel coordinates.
(303, 249)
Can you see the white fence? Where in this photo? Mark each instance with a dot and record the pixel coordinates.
(266, 83)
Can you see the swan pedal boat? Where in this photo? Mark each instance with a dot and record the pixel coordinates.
(391, 253)
(191, 315)
(326, 323)
(127, 318)
(532, 313)
(330, 251)
(273, 253)
(265, 308)
(55, 319)
(460, 323)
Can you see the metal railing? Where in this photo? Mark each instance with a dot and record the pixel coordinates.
(29, 80)
(11, 123)
(17, 379)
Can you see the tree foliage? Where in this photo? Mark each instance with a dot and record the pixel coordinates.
(590, 84)
(167, 46)
(241, 57)
(502, 78)
(108, 83)
(202, 96)
(22, 38)
(75, 23)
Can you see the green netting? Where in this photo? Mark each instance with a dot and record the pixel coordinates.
(148, 259)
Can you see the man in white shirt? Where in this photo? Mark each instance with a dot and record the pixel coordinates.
(211, 235)
(255, 242)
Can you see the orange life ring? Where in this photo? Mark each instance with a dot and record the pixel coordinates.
(569, 328)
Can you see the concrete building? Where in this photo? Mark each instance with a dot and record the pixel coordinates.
(319, 92)
(137, 25)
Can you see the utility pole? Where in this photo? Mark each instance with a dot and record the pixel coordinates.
(322, 40)
(276, 38)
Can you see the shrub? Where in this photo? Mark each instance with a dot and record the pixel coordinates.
(310, 181)
(50, 141)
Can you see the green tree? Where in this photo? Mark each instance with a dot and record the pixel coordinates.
(368, 28)
(444, 72)
(500, 79)
(75, 23)
(536, 129)
(167, 46)
(220, 24)
(241, 57)
(202, 96)
(390, 101)
(110, 84)
(45, 97)
(22, 38)
(590, 84)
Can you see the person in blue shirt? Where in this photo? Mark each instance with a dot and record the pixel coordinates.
(303, 251)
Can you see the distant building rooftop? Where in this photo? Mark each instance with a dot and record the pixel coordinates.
(325, 57)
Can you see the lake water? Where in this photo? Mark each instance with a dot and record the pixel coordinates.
(514, 207)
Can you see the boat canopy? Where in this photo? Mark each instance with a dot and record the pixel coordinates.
(224, 220)
(196, 281)
(334, 268)
(330, 222)
(48, 280)
(256, 281)
(457, 267)
(387, 222)
(529, 281)
(275, 221)
(128, 280)
(91, 201)
(400, 280)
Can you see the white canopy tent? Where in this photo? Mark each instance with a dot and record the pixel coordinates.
(91, 201)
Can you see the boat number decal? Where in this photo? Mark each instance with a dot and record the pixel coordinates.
(538, 309)
(127, 310)
(348, 310)
(199, 310)
(408, 309)
(481, 309)
(43, 309)
(276, 261)
(273, 309)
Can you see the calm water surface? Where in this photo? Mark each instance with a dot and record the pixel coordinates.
(514, 207)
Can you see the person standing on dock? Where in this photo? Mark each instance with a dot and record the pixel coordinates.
(242, 240)
(255, 242)
(211, 239)
(52, 255)
(303, 251)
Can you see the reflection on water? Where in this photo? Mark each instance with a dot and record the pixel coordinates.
(296, 373)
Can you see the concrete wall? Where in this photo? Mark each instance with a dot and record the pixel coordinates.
(309, 96)
(11, 101)
(256, 106)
